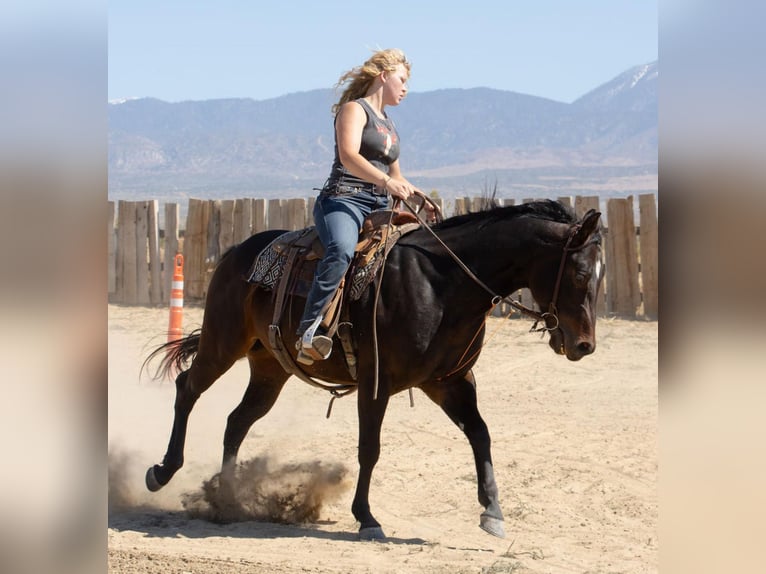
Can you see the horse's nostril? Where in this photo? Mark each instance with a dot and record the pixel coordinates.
(585, 348)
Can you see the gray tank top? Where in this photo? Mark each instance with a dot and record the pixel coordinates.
(379, 146)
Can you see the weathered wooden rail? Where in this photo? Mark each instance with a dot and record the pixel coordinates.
(141, 253)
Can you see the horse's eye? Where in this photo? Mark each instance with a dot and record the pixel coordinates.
(582, 278)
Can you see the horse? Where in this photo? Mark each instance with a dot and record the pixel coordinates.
(421, 326)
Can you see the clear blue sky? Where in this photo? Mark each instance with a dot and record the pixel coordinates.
(179, 50)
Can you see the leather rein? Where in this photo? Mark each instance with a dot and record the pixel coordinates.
(551, 313)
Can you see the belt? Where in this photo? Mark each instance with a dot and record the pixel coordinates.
(350, 189)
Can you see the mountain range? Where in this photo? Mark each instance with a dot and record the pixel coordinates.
(455, 141)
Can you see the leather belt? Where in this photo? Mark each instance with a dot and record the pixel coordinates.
(342, 189)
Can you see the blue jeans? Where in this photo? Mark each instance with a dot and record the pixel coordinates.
(338, 220)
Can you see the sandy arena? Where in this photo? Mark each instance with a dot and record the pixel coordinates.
(574, 448)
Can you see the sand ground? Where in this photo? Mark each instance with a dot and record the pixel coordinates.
(574, 447)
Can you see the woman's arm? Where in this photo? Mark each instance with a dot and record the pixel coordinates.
(348, 133)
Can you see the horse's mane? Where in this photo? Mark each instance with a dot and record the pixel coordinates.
(490, 212)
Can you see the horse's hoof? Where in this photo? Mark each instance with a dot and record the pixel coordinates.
(492, 526)
(371, 533)
(151, 480)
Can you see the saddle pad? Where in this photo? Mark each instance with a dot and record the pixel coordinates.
(269, 265)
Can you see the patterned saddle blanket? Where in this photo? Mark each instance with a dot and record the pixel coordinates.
(378, 235)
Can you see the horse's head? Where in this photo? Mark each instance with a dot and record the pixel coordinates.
(567, 287)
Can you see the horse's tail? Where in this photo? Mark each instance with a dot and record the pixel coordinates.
(176, 355)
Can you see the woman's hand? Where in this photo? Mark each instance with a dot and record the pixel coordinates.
(400, 188)
(430, 211)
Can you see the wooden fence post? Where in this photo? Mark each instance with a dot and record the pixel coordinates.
(649, 254)
(213, 247)
(119, 264)
(623, 297)
(583, 203)
(296, 214)
(111, 238)
(243, 219)
(195, 248)
(260, 215)
(129, 271)
(310, 210)
(226, 236)
(276, 214)
(142, 250)
(477, 203)
(155, 262)
(172, 247)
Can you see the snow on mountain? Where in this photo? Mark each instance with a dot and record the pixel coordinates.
(637, 84)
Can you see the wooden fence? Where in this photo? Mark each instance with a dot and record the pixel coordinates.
(140, 265)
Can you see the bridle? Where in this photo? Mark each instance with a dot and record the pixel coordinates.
(552, 313)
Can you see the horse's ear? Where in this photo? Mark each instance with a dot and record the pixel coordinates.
(591, 222)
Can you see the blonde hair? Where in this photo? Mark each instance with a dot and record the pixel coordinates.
(359, 79)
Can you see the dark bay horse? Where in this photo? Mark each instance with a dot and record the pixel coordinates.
(431, 315)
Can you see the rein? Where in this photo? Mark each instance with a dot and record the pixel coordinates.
(497, 299)
(552, 312)
(437, 214)
(375, 354)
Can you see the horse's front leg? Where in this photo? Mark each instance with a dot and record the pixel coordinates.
(457, 398)
(266, 381)
(371, 412)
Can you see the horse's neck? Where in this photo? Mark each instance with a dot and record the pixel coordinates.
(503, 258)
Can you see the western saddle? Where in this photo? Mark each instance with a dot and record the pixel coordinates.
(287, 267)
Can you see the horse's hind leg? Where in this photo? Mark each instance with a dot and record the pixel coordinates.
(267, 378)
(190, 384)
(457, 398)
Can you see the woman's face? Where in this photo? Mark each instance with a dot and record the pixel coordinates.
(395, 85)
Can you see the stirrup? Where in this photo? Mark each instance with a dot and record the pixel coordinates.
(318, 349)
(303, 358)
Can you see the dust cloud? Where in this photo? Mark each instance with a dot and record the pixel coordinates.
(263, 490)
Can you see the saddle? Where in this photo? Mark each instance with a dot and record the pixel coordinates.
(287, 266)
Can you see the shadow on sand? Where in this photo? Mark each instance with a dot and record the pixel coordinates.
(165, 524)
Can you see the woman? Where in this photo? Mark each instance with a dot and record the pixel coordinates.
(364, 175)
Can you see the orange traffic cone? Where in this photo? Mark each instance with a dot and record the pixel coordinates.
(177, 300)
